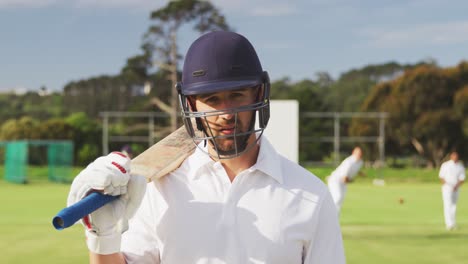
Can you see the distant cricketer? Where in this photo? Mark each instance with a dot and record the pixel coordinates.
(452, 175)
(344, 174)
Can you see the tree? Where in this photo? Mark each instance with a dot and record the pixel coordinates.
(86, 137)
(104, 93)
(461, 107)
(136, 69)
(350, 90)
(281, 89)
(426, 107)
(24, 128)
(30, 104)
(54, 129)
(310, 95)
(461, 97)
(161, 39)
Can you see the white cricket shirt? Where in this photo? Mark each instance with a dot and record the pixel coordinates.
(452, 172)
(348, 168)
(273, 212)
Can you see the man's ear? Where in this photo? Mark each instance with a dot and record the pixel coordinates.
(191, 103)
(261, 91)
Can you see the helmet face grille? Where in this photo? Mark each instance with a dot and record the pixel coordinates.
(218, 61)
(239, 137)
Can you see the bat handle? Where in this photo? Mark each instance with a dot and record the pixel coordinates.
(70, 215)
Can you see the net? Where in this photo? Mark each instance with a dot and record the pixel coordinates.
(59, 160)
(16, 156)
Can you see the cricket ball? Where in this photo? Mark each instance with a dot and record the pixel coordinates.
(401, 200)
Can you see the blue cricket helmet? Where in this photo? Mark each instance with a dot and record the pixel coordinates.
(219, 61)
(222, 61)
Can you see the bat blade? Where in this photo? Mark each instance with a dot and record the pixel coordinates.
(157, 161)
(165, 156)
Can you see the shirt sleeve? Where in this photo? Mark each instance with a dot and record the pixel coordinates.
(140, 242)
(343, 169)
(442, 171)
(462, 174)
(327, 243)
(354, 168)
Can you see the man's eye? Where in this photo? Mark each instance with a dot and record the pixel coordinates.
(237, 96)
(212, 100)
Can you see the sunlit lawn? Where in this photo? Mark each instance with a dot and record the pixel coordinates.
(376, 227)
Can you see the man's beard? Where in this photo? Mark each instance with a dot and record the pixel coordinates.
(239, 144)
(232, 145)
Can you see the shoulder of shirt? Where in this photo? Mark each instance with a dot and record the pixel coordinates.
(289, 173)
(285, 172)
(348, 160)
(301, 174)
(196, 161)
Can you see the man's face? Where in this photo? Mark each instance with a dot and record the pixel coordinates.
(225, 124)
(454, 156)
(357, 152)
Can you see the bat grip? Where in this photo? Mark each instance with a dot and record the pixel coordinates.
(70, 215)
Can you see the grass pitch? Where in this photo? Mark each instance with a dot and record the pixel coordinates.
(376, 227)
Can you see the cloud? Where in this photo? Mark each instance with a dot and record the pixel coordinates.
(135, 4)
(18, 89)
(139, 4)
(446, 33)
(274, 10)
(279, 45)
(25, 3)
(265, 8)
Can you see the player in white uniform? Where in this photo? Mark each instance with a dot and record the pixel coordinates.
(344, 174)
(452, 175)
(235, 199)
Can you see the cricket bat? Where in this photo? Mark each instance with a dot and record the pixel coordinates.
(157, 161)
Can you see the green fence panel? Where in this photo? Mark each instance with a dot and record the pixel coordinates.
(60, 159)
(16, 161)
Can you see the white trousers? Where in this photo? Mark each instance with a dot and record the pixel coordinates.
(338, 192)
(450, 198)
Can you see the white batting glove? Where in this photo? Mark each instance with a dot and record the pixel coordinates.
(110, 175)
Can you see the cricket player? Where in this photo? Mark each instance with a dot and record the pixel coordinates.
(344, 174)
(452, 175)
(235, 199)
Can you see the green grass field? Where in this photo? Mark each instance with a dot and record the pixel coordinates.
(376, 227)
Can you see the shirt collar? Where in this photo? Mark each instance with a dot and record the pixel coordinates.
(198, 160)
(268, 160)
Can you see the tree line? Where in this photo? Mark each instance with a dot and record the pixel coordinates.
(427, 104)
(427, 107)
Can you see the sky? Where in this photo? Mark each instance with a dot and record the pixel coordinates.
(53, 42)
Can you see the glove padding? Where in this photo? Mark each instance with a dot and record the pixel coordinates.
(110, 175)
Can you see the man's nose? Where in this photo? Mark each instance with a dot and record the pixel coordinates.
(228, 114)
